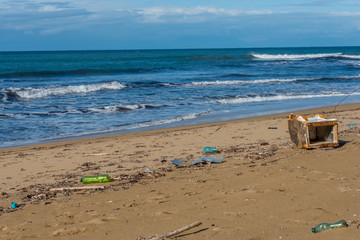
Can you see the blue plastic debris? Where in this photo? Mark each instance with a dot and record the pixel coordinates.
(351, 124)
(210, 149)
(13, 205)
(177, 162)
(208, 160)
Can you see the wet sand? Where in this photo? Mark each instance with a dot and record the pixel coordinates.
(265, 188)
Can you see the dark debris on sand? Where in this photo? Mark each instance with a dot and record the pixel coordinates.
(41, 194)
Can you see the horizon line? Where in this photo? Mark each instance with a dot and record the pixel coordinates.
(170, 49)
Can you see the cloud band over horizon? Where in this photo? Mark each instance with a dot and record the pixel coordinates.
(55, 25)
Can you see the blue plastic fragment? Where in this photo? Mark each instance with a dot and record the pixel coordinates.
(351, 124)
(177, 162)
(13, 205)
(210, 149)
(208, 160)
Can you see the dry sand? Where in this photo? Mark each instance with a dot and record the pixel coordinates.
(266, 188)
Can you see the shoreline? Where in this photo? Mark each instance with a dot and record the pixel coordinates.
(265, 188)
(184, 123)
(107, 141)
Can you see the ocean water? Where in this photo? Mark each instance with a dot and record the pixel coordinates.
(52, 95)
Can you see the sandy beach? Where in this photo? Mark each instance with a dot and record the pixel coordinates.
(265, 188)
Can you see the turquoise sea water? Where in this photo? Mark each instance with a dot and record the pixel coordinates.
(50, 95)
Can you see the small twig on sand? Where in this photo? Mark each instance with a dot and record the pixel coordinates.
(97, 154)
(76, 188)
(177, 231)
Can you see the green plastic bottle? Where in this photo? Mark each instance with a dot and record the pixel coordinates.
(95, 179)
(325, 226)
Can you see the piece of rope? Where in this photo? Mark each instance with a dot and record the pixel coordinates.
(333, 111)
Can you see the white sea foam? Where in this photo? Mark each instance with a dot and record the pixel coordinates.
(119, 108)
(351, 56)
(347, 77)
(168, 120)
(178, 119)
(295, 56)
(116, 108)
(235, 82)
(31, 93)
(240, 100)
(260, 81)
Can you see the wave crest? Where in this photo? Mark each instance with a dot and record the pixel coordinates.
(125, 108)
(239, 100)
(33, 93)
(295, 56)
(168, 120)
(235, 82)
(260, 81)
(302, 56)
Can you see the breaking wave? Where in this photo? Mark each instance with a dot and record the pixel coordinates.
(351, 56)
(125, 108)
(246, 99)
(302, 56)
(168, 120)
(260, 81)
(107, 109)
(33, 93)
(234, 82)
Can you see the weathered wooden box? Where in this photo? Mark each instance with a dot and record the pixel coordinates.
(313, 131)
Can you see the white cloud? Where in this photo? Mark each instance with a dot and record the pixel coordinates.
(162, 11)
(194, 14)
(55, 14)
(50, 8)
(345, 13)
(41, 17)
(50, 31)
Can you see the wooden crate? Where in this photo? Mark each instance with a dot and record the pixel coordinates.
(313, 131)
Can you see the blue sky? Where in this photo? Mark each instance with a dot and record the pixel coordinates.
(159, 24)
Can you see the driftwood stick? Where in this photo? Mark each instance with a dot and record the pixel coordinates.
(177, 231)
(97, 154)
(76, 188)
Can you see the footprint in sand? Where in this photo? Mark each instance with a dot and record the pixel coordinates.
(70, 231)
(344, 189)
(101, 220)
(76, 230)
(162, 213)
(159, 199)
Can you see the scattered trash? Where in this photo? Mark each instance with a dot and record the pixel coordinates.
(147, 171)
(75, 188)
(325, 226)
(352, 124)
(177, 231)
(207, 160)
(313, 131)
(95, 179)
(177, 162)
(272, 128)
(351, 222)
(14, 205)
(210, 149)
